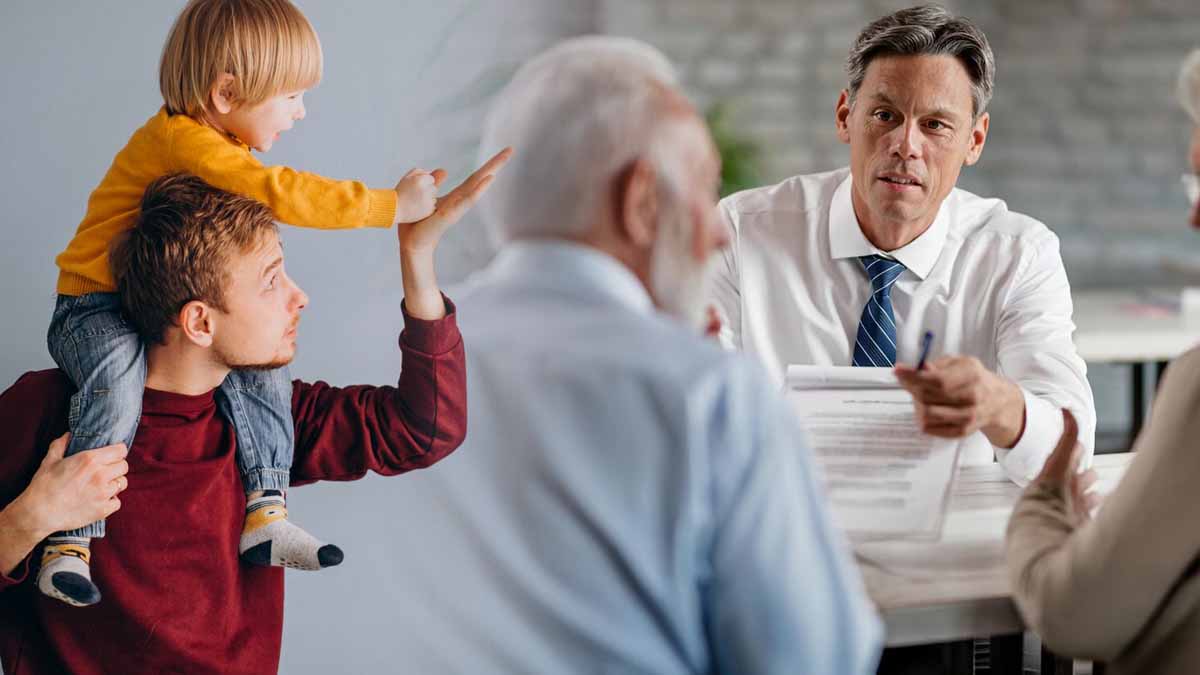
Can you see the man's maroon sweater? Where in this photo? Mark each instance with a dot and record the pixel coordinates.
(176, 596)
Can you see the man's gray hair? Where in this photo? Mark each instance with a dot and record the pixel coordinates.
(1189, 85)
(930, 30)
(576, 114)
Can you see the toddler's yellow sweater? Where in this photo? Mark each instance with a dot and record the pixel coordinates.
(174, 143)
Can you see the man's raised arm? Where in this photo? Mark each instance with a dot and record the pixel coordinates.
(342, 433)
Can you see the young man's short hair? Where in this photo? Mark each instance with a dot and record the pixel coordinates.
(180, 248)
(267, 45)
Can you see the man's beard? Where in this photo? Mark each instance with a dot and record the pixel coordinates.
(680, 284)
(233, 363)
(270, 365)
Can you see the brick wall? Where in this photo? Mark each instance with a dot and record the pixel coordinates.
(1085, 133)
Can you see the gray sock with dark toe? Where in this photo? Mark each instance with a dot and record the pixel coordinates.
(270, 539)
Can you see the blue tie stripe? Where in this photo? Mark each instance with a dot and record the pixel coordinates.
(875, 342)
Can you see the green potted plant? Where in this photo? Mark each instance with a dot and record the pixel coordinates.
(740, 157)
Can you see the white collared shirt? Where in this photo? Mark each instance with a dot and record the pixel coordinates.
(988, 282)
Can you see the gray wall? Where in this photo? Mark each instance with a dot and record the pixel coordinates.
(406, 83)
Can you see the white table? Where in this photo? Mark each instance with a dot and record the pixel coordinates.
(957, 588)
(1136, 328)
(1132, 326)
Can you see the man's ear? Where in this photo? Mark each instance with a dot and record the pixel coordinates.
(637, 204)
(222, 94)
(197, 320)
(842, 116)
(978, 138)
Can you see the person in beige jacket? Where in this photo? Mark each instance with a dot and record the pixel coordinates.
(1122, 587)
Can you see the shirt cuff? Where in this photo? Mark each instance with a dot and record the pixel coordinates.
(436, 336)
(381, 210)
(18, 575)
(1043, 427)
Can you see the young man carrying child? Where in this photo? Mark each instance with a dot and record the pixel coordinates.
(180, 600)
(233, 76)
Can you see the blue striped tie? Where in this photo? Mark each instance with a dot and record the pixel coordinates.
(875, 344)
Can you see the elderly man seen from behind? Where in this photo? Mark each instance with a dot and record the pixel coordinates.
(633, 499)
(853, 266)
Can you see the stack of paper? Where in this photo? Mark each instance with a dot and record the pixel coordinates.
(884, 477)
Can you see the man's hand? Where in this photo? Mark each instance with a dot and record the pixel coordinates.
(71, 492)
(956, 396)
(1061, 472)
(419, 240)
(416, 195)
(425, 234)
(63, 495)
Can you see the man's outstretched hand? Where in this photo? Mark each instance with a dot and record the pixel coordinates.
(419, 240)
(956, 396)
(449, 208)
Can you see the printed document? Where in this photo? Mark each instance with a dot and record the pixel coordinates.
(884, 477)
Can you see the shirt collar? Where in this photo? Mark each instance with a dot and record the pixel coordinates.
(567, 266)
(846, 239)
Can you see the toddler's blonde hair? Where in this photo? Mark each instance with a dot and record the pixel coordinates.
(267, 45)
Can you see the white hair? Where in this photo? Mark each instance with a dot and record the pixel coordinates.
(1189, 85)
(576, 115)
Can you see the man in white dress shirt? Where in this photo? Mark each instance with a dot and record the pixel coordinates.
(853, 266)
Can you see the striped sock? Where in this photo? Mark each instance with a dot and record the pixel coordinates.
(66, 572)
(269, 539)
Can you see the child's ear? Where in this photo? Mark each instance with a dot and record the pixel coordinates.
(222, 95)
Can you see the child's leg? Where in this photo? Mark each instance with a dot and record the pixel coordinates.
(103, 356)
(259, 403)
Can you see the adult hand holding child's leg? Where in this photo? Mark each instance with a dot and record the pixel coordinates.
(65, 493)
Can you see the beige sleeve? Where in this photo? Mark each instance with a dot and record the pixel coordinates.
(1089, 591)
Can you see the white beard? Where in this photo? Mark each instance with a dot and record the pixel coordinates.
(679, 283)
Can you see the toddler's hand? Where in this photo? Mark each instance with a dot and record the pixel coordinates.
(425, 234)
(418, 240)
(416, 196)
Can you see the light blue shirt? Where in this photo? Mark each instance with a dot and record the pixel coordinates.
(630, 499)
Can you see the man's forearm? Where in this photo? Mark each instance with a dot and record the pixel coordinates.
(422, 297)
(19, 534)
(342, 433)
